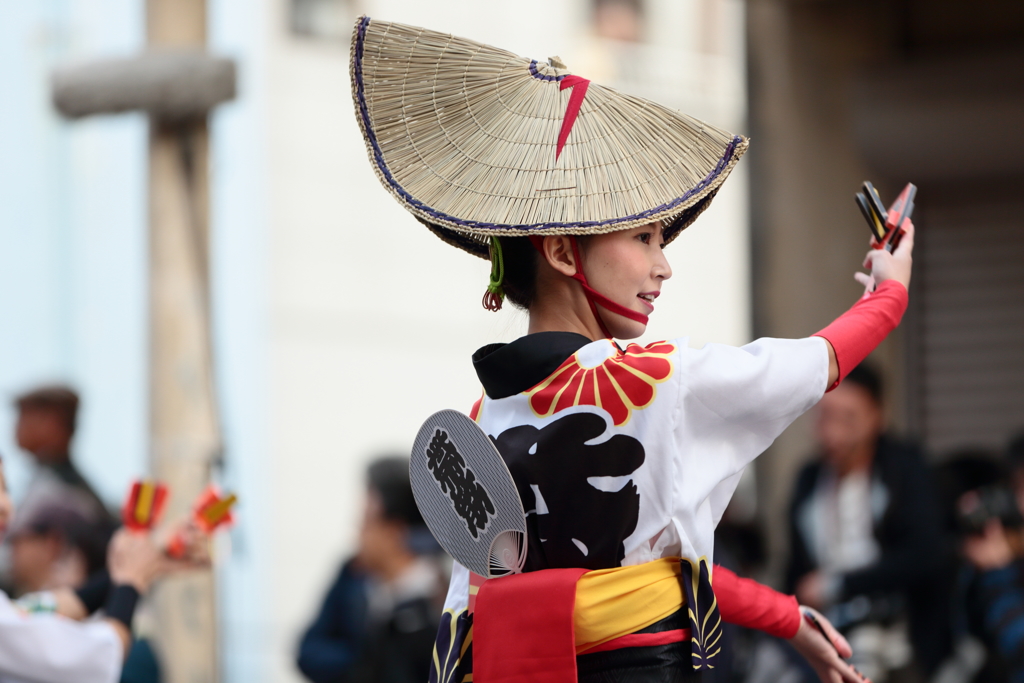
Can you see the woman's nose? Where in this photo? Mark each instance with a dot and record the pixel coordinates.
(662, 269)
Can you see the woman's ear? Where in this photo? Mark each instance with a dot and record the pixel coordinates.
(557, 251)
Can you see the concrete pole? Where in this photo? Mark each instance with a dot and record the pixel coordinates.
(185, 435)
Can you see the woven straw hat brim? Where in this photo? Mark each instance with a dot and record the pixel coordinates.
(466, 137)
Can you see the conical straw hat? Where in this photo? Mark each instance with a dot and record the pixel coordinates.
(466, 137)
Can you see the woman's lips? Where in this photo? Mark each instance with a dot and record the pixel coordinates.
(648, 298)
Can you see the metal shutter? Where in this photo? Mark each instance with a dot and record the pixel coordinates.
(969, 327)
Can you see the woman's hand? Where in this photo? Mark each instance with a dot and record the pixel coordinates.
(189, 543)
(825, 657)
(135, 559)
(885, 266)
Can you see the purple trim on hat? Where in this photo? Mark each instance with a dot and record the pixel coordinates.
(378, 156)
(535, 72)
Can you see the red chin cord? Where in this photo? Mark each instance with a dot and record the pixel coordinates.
(594, 297)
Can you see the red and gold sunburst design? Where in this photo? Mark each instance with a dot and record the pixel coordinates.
(620, 384)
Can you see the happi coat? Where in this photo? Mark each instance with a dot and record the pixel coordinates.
(624, 456)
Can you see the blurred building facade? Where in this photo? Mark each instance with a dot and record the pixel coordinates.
(339, 323)
(71, 225)
(894, 91)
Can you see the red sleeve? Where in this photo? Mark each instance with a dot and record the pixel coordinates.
(747, 603)
(857, 332)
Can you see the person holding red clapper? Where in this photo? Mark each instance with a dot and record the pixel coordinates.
(42, 636)
(624, 458)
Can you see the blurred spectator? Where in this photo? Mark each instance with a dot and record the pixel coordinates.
(618, 19)
(964, 471)
(378, 621)
(54, 545)
(36, 646)
(866, 543)
(1015, 461)
(47, 417)
(990, 523)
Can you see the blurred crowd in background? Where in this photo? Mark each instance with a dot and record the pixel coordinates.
(920, 565)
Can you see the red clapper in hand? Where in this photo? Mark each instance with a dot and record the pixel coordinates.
(886, 226)
(211, 511)
(898, 213)
(144, 505)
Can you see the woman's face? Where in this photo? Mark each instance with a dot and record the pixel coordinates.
(6, 507)
(628, 267)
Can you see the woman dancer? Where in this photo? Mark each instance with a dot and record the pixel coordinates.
(624, 458)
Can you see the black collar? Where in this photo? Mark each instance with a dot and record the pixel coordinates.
(508, 369)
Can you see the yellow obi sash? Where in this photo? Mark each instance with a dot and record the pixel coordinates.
(615, 602)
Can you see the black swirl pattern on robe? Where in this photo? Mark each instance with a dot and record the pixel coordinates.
(702, 608)
(571, 522)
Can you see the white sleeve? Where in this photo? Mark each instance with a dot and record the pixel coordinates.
(46, 648)
(735, 401)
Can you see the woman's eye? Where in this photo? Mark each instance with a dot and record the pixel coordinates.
(645, 237)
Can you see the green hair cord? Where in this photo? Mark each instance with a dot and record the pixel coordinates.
(495, 293)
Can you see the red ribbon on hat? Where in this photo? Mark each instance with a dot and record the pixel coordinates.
(579, 91)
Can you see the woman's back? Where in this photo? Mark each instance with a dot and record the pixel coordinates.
(626, 456)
